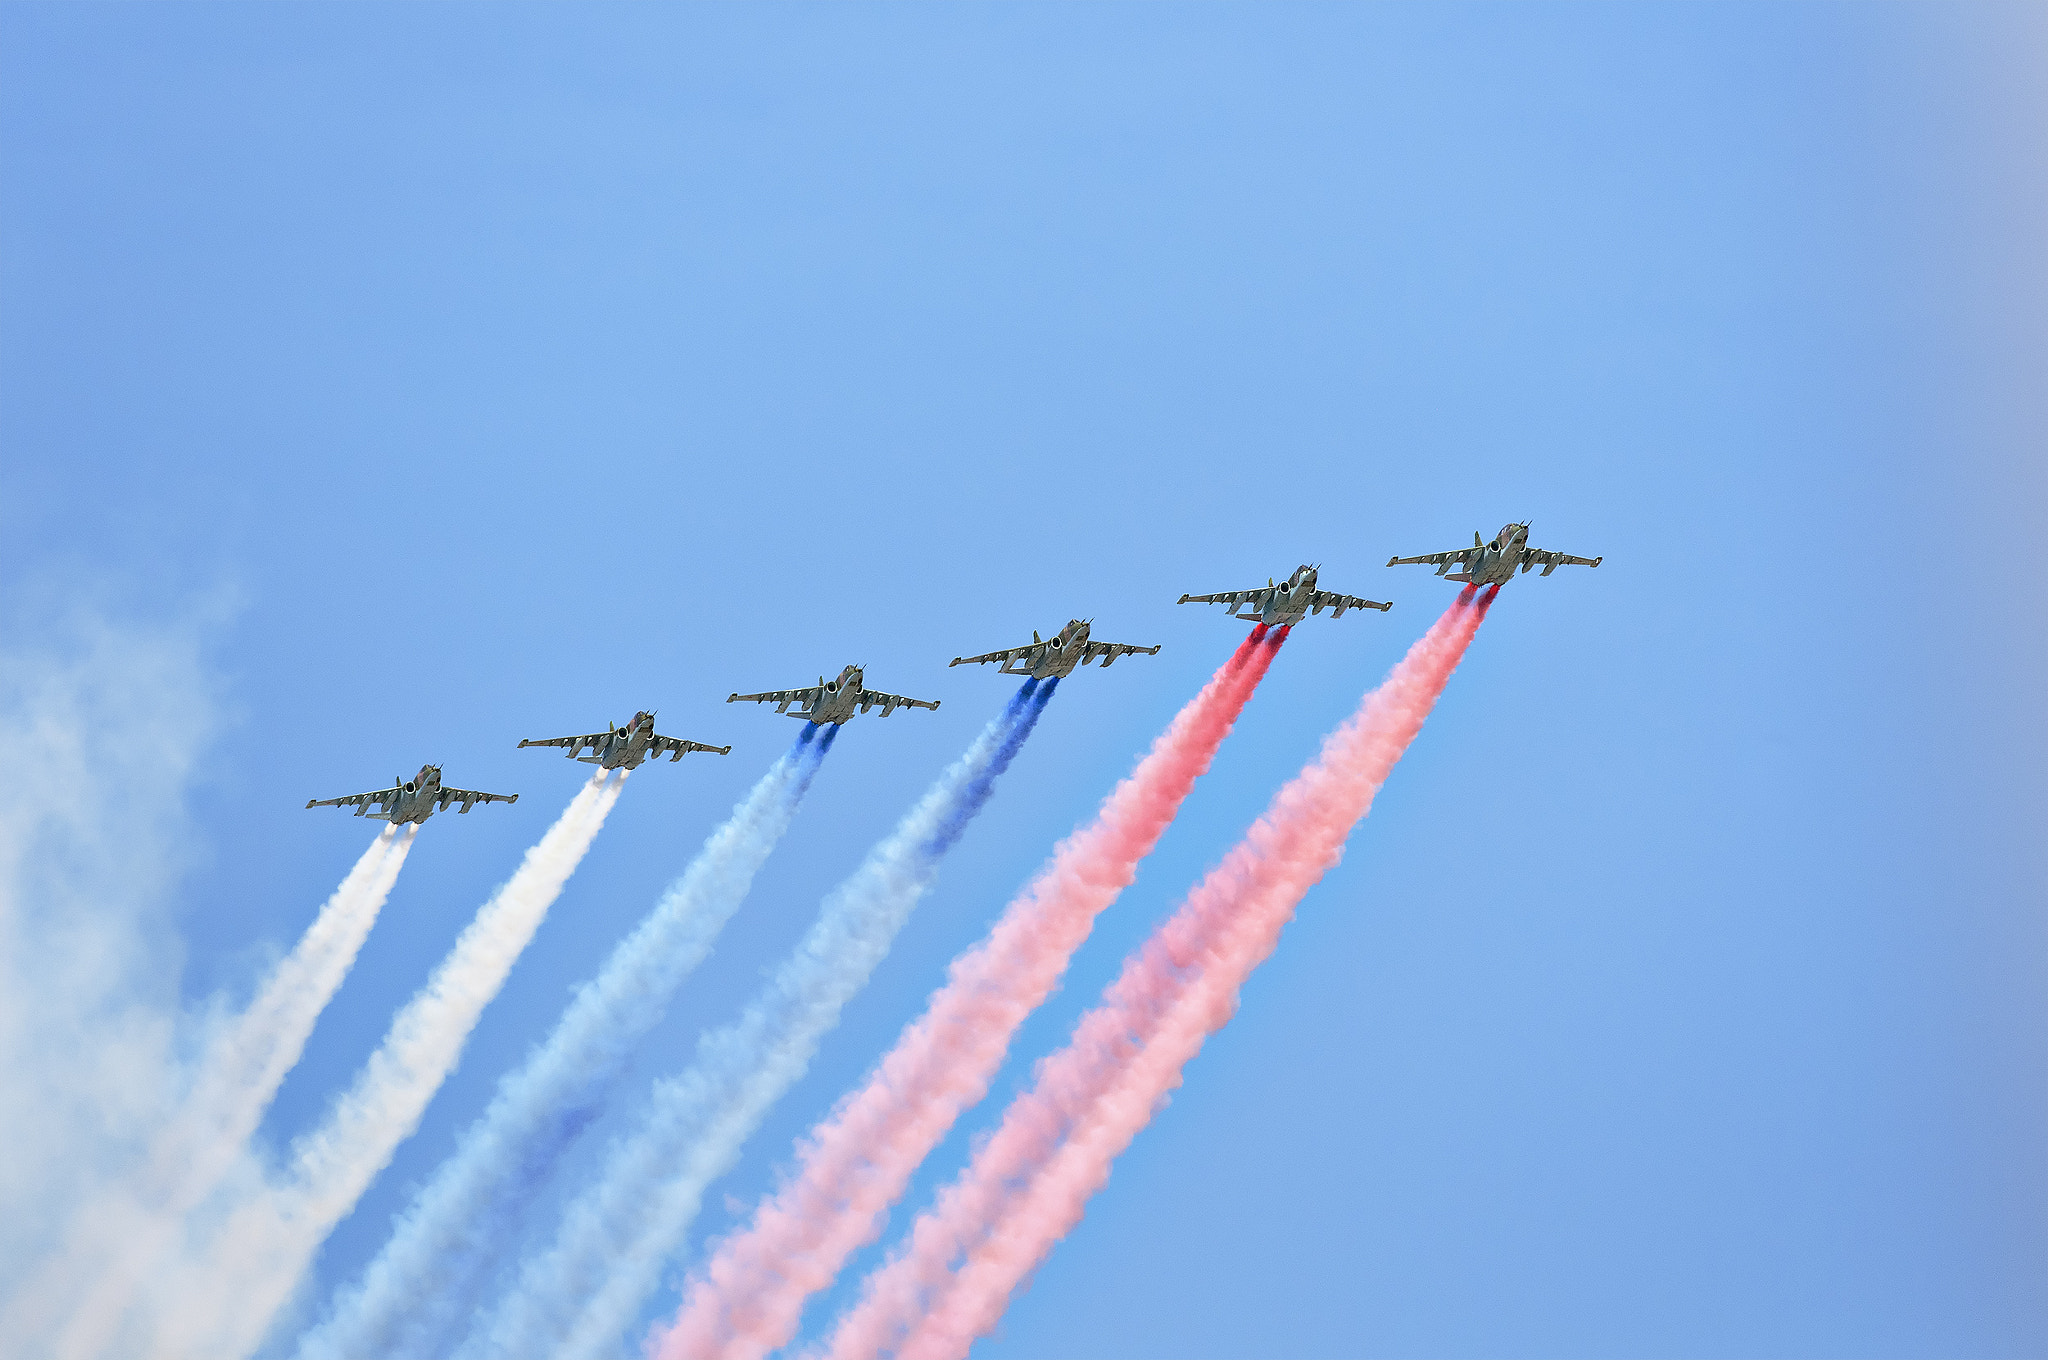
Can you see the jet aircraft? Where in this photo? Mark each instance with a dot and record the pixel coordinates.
(625, 747)
(833, 701)
(412, 800)
(1057, 657)
(1491, 564)
(1285, 605)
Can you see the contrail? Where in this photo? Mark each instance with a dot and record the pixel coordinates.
(1027, 1185)
(747, 1300)
(120, 1239)
(578, 1298)
(253, 1262)
(428, 1276)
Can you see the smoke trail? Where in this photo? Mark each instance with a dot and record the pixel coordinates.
(1027, 1184)
(104, 721)
(428, 1276)
(226, 1299)
(746, 1301)
(578, 1298)
(241, 1076)
(238, 1076)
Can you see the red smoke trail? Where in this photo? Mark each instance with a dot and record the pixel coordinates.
(746, 1301)
(1028, 1184)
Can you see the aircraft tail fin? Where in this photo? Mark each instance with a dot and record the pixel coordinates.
(1461, 576)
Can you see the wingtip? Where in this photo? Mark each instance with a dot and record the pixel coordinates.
(515, 797)
(1392, 560)
(523, 742)
(733, 698)
(725, 750)
(1182, 600)
(1385, 607)
(954, 662)
(1598, 560)
(311, 801)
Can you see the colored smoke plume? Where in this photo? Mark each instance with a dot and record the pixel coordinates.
(577, 1298)
(428, 1277)
(1029, 1182)
(222, 1299)
(747, 1300)
(120, 1237)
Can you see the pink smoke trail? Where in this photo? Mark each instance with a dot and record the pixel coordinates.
(1028, 1184)
(747, 1300)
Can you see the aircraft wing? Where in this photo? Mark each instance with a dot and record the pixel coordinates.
(381, 798)
(783, 698)
(1233, 598)
(1553, 560)
(1110, 651)
(1455, 557)
(678, 748)
(891, 702)
(470, 798)
(1004, 657)
(575, 744)
(1325, 599)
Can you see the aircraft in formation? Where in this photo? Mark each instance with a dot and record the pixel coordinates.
(1055, 658)
(618, 748)
(834, 701)
(838, 701)
(412, 800)
(1492, 564)
(1286, 605)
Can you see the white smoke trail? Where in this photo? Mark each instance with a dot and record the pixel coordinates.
(219, 1303)
(578, 1298)
(425, 1281)
(120, 1243)
(103, 721)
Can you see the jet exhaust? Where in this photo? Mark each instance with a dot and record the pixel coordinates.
(222, 1301)
(578, 1298)
(430, 1274)
(746, 1301)
(238, 1074)
(1027, 1185)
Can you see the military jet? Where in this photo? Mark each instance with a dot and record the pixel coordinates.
(833, 701)
(625, 747)
(1055, 659)
(412, 800)
(1286, 605)
(1491, 564)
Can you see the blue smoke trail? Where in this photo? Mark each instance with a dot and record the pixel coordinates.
(578, 1298)
(429, 1276)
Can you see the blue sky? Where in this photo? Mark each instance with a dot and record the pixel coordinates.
(475, 373)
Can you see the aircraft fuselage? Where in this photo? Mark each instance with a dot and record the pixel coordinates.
(838, 700)
(1286, 604)
(624, 748)
(1499, 560)
(415, 799)
(1056, 657)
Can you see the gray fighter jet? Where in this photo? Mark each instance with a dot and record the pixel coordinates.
(625, 747)
(1491, 564)
(412, 800)
(833, 701)
(1286, 605)
(1055, 659)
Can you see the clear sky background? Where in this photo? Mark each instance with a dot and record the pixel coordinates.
(469, 373)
